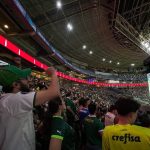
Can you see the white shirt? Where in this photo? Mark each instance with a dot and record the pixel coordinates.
(16, 122)
(109, 119)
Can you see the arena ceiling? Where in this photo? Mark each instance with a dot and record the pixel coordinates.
(105, 27)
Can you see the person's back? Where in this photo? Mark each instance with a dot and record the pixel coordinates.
(93, 128)
(62, 130)
(70, 110)
(61, 134)
(126, 137)
(16, 120)
(84, 112)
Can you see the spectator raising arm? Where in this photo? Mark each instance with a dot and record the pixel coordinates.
(52, 91)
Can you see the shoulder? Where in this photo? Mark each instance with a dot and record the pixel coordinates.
(29, 94)
(87, 118)
(57, 128)
(57, 122)
(144, 130)
(27, 100)
(4, 96)
(110, 128)
(83, 110)
(110, 115)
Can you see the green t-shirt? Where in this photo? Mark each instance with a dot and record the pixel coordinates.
(70, 103)
(92, 127)
(61, 130)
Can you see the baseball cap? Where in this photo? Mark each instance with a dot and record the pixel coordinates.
(10, 73)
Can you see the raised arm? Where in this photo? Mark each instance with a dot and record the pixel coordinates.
(52, 91)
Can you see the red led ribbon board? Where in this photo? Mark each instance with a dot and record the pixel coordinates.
(12, 47)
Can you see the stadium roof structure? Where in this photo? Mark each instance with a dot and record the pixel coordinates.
(112, 30)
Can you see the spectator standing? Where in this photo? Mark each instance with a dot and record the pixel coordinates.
(70, 110)
(125, 135)
(61, 133)
(110, 117)
(16, 116)
(93, 129)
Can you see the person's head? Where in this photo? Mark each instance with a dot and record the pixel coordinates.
(14, 79)
(127, 108)
(112, 109)
(81, 101)
(86, 102)
(21, 85)
(92, 108)
(56, 106)
(68, 94)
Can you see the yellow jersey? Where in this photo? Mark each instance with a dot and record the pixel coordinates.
(126, 137)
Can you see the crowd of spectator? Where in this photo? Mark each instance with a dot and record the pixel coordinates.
(72, 116)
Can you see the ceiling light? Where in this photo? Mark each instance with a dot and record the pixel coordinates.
(69, 27)
(118, 63)
(90, 52)
(6, 26)
(132, 65)
(103, 59)
(84, 47)
(59, 4)
(110, 61)
(145, 44)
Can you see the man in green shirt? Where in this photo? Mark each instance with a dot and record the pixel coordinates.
(62, 131)
(71, 110)
(93, 129)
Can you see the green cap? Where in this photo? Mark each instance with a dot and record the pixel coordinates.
(10, 73)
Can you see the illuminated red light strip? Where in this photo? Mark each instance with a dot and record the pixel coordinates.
(12, 47)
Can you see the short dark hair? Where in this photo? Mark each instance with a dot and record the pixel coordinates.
(112, 107)
(92, 108)
(125, 105)
(53, 105)
(68, 94)
(81, 101)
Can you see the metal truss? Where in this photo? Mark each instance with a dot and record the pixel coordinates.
(127, 35)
